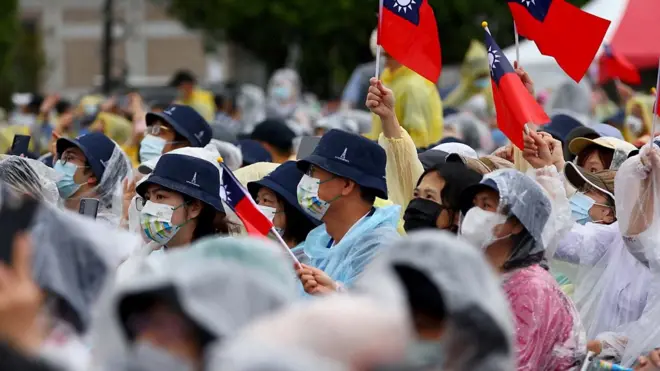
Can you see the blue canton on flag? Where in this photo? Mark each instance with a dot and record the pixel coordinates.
(497, 61)
(537, 8)
(406, 9)
(608, 51)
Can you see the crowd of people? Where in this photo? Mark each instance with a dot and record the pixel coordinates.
(412, 236)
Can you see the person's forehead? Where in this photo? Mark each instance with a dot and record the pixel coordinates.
(265, 192)
(596, 194)
(151, 188)
(75, 151)
(318, 171)
(163, 124)
(488, 194)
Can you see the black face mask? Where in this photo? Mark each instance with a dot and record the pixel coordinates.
(422, 214)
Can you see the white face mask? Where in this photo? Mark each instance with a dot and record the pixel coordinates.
(268, 211)
(478, 224)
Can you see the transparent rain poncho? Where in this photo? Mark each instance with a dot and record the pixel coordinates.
(30, 176)
(72, 258)
(231, 155)
(474, 132)
(548, 328)
(638, 210)
(345, 331)
(221, 284)
(479, 326)
(611, 286)
(110, 189)
(572, 97)
(251, 103)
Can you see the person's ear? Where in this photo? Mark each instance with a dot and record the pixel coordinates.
(92, 181)
(516, 226)
(194, 209)
(349, 186)
(609, 216)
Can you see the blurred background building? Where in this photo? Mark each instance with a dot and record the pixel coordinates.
(148, 45)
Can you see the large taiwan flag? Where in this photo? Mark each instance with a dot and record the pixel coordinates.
(407, 30)
(562, 31)
(514, 105)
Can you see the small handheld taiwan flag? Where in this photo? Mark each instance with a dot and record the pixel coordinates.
(409, 33)
(562, 31)
(237, 197)
(514, 105)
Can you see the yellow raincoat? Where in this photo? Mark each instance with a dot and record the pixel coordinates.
(640, 106)
(474, 65)
(417, 106)
(203, 102)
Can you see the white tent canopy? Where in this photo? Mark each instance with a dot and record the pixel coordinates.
(544, 70)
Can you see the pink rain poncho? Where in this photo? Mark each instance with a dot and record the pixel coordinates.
(548, 331)
(545, 321)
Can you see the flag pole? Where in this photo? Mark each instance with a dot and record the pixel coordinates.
(378, 47)
(517, 37)
(286, 247)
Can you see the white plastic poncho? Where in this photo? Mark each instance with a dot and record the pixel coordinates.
(339, 331)
(110, 189)
(639, 223)
(72, 258)
(607, 292)
(479, 333)
(222, 284)
(30, 176)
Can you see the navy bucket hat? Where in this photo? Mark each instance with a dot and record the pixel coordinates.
(284, 182)
(188, 175)
(350, 156)
(186, 122)
(253, 152)
(96, 147)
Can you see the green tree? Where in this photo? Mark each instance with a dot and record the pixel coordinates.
(333, 35)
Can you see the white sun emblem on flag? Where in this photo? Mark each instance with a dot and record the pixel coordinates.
(404, 5)
(224, 193)
(493, 58)
(527, 2)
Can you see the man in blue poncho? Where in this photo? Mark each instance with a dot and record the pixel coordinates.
(343, 177)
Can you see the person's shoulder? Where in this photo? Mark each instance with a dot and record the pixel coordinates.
(533, 281)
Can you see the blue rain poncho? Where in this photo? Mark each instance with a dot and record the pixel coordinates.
(345, 261)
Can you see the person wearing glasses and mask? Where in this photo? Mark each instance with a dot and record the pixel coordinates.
(92, 166)
(176, 127)
(276, 196)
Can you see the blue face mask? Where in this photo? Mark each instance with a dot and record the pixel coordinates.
(151, 147)
(66, 185)
(281, 93)
(482, 83)
(580, 206)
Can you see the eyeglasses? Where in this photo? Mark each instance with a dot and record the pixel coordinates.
(71, 156)
(157, 129)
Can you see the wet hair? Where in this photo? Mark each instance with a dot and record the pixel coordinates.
(182, 77)
(605, 155)
(209, 222)
(298, 224)
(424, 298)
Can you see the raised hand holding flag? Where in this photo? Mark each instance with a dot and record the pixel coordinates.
(514, 105)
